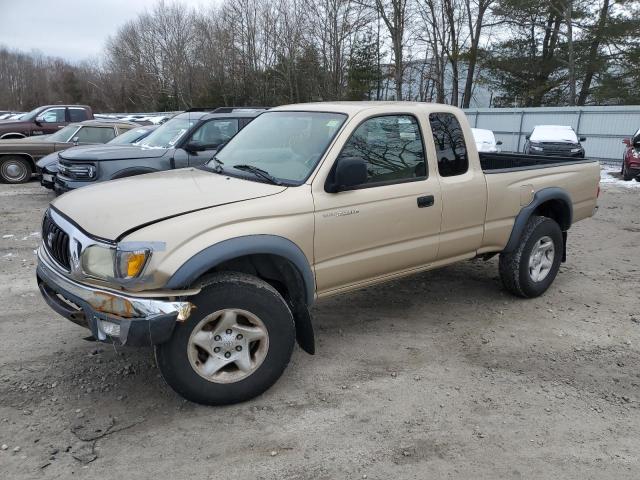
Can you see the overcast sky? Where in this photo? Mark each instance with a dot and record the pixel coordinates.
(71, 29)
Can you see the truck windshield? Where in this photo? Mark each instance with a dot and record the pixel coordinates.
(168, 134)
(287, 145)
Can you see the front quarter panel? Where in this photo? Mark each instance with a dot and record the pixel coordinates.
(288, 215)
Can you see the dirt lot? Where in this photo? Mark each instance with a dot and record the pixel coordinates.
(443, 375)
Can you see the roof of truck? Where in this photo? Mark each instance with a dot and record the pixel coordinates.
(355, 107)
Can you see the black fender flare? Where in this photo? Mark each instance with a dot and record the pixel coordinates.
(540, 197)
(230, 249)
(131, 171)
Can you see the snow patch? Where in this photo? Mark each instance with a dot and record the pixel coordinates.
(610, 175)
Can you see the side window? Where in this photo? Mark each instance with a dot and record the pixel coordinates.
(77, 114)
(450, 147)
(391, 146)
(95, 134)
(54, 115)
(214, 132)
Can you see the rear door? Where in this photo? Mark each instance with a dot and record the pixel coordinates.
(390, 223)
(464, 188)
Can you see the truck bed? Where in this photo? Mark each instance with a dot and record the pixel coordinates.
(510, 162)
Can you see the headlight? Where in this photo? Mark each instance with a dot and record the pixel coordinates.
(109, 263)
(536, 148)
(98, 261)
(575, 150)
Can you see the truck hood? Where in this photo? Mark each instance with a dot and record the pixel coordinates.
(110, 209)
(111, 152)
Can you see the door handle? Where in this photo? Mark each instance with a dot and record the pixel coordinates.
(426, 201)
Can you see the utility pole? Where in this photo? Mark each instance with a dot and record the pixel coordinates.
(568, 13)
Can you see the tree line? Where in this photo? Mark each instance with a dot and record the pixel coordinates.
(263, 52)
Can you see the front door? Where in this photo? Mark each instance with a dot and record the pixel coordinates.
(50, 121)
(387, 225)
(209, 136)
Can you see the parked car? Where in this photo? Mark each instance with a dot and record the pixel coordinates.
(217, 266)
(554, 140)
(631, 158)
(18, 156)
(485, 140)
(47, 166)
(188, 139)
(44, 120)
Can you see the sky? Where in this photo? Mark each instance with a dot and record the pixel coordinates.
(72, 29)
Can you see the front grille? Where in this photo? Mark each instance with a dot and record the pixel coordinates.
(56, 242)
(81, 171)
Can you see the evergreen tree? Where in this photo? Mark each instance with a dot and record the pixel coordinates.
(363, 69)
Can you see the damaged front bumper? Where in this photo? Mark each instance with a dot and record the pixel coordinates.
(111, 316)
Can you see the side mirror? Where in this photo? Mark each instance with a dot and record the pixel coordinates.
(499, 142)
(528, 137)
(193, 147)
(349, 172)
(583, 139)
(39, 119)
(627, 142)
(75, 141)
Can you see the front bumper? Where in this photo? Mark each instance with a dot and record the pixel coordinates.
(111, 316)
(62, 184)
(557, 153)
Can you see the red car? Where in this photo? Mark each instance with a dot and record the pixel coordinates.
(631, 158)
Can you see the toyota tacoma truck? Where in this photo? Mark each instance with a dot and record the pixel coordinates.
(218, 266)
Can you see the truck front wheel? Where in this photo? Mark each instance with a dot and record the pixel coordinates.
(530, 269)
(234, 346)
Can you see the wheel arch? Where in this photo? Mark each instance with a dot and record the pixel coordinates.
(9, 135)
(275, 259)
(552, 202)
(24, 155)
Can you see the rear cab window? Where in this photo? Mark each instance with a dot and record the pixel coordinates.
(78, 114)
(451, 149)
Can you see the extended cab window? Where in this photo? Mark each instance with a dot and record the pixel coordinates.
(391, 146)
(95, 134)
(77, 114)
(450, 147)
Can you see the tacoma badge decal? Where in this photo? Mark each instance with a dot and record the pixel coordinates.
(340, 213)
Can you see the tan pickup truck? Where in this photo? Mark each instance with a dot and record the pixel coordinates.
(218, 266)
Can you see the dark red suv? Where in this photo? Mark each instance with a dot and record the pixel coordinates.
(631, 158)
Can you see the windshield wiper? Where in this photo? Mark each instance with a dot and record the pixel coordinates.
(258, 172)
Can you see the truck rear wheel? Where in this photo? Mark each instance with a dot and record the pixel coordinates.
(234, 346)
(530, 269)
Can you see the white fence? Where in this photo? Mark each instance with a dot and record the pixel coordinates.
(603, 127)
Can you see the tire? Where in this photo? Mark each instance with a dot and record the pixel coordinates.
(15, 170)
(516, 273)
(184, 364)
(626, 176)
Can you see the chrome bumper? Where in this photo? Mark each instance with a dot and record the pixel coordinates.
(110, 315)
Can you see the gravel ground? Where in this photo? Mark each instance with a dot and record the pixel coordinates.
(442, 375)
